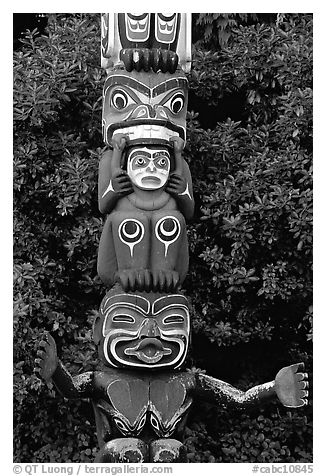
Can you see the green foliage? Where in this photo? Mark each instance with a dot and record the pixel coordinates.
(250, 272)
(215, 29)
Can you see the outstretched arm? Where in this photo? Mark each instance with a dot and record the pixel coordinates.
(290, 386)
(49, 367)
(218, 392)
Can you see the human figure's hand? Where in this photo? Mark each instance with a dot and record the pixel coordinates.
(176, 184)
(121, 182)
(47, 360)
(291, 386)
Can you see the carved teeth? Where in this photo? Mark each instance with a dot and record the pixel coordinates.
(148, 131)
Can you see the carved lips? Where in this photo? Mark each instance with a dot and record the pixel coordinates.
(149, 350)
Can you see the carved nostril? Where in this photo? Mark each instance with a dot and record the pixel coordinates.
(141, 112)
(160, 112)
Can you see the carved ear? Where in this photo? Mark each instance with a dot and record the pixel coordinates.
(97, 329)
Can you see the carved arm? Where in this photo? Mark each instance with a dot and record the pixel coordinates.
(49, 367)
(290, 386)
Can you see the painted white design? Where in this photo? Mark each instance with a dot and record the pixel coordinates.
(131, 239)
(171, 236)
(109, 189)
(186, 192)
(137, 28)
(165, 30)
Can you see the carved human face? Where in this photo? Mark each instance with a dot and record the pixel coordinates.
(148, 169)
(149, 108)
(144, 332)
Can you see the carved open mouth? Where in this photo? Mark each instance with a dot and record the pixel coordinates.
(151, 179)
(144, 130)
(148, 350)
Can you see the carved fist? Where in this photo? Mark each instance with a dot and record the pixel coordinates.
(119, 141)
(291, 385)
(178, 144)
(121, 183)
(176, 184)
(47, 360)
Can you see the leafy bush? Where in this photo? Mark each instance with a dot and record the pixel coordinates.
(250, 242)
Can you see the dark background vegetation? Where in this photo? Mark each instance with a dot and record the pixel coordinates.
(250, 280)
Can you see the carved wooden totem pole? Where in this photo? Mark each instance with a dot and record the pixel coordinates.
(140, 393)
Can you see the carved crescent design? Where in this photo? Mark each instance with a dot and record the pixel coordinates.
(131, 232)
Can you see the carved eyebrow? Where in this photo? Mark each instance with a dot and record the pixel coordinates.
(131, 301)
(139, 152)
(119, 80)
(168, 85)
(161, 153)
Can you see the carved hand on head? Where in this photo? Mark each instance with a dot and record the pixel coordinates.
(119, 141)
(178, 144)
(291, 386)
(47, 360)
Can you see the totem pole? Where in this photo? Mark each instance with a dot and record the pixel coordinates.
(140, 393)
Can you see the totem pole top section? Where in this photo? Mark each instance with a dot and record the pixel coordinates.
(146, 41)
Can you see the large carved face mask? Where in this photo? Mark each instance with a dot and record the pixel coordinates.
(148, 107)
(139, 332)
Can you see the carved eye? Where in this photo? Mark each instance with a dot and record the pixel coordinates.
(162, 162)
(120, 99)
(176, 103)
(140, 161)
(123, 318)
(173, 320)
